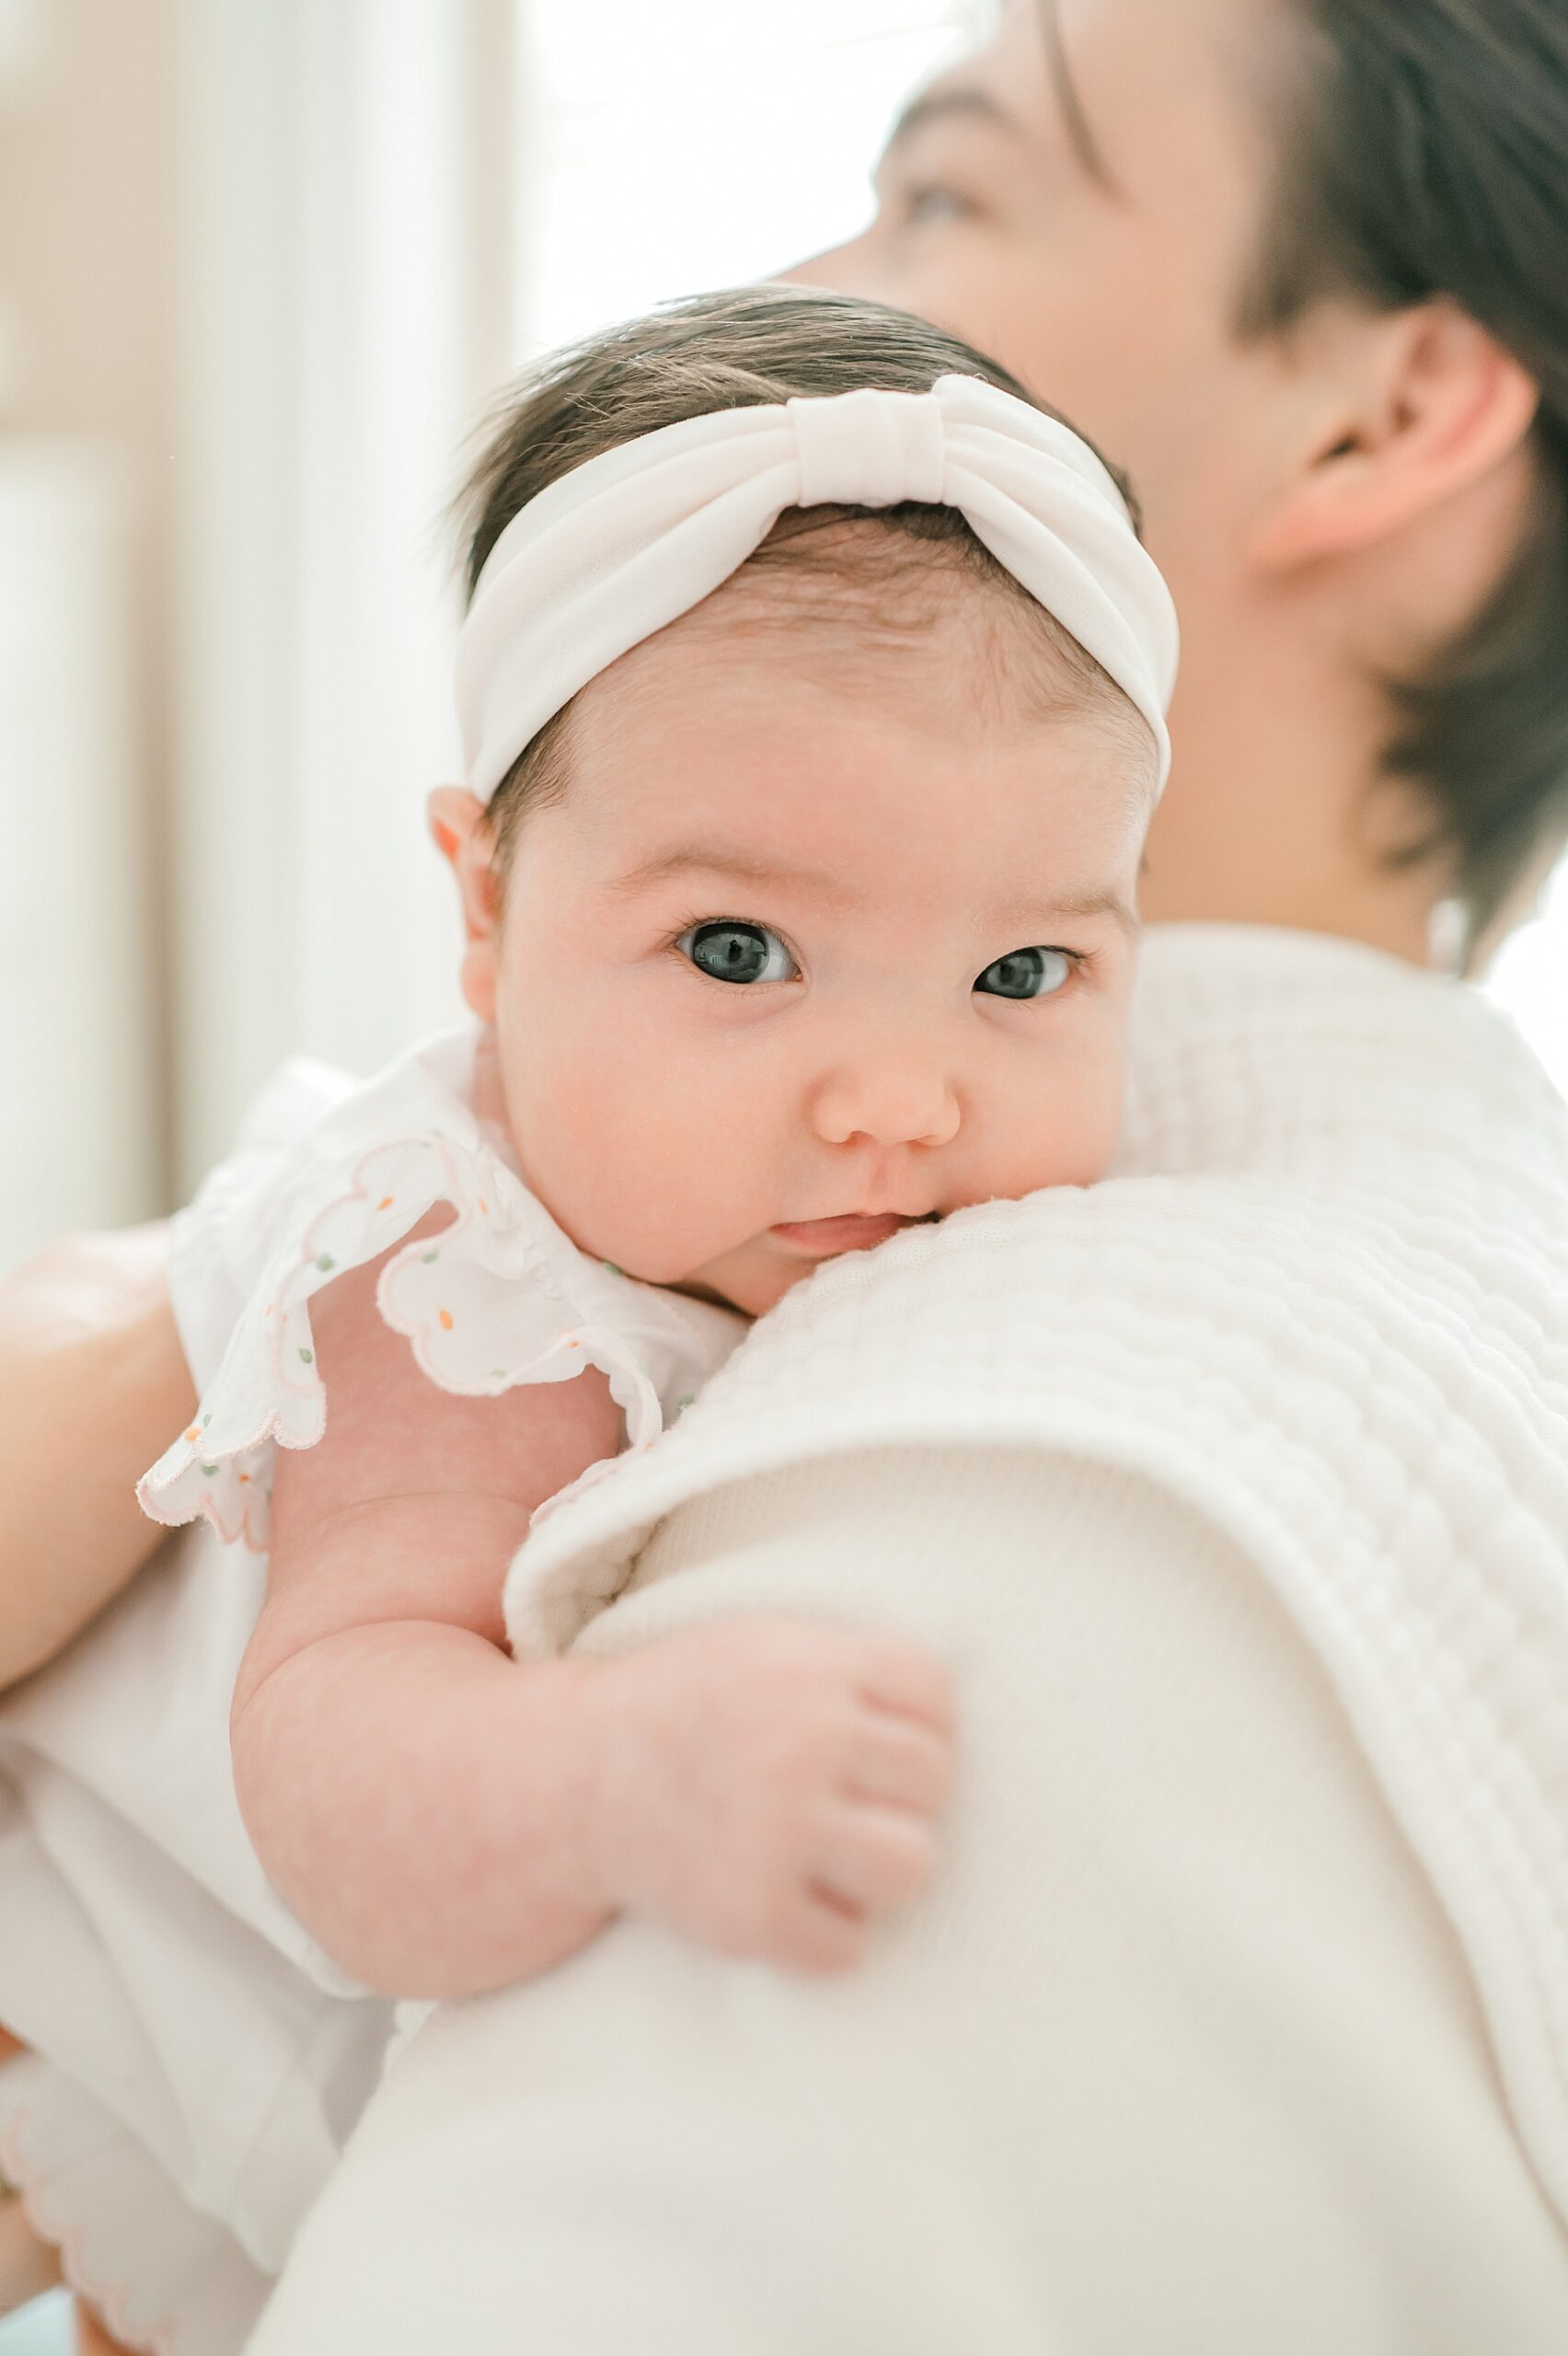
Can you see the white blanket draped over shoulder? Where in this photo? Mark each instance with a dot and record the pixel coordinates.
(1322, 1310)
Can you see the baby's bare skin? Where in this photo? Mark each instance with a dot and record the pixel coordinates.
(446, 1819)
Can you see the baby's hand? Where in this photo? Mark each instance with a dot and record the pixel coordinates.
(765, 1786)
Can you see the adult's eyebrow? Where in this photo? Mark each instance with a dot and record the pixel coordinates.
(940, 105)
(967, 99)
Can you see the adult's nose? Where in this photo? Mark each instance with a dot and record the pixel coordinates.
(842, 269)
(888, 1099)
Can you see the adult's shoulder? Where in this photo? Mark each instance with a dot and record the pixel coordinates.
(1324, 1305)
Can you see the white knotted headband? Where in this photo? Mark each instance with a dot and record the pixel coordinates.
(626, 543)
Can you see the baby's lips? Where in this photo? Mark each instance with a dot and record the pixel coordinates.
(822, 1239)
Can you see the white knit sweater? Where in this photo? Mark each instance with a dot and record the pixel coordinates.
(1324, 1303)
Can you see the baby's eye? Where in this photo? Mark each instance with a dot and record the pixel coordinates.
(1027, 972)
(738, 952)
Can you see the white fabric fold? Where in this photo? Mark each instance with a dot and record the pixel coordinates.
(626, 544)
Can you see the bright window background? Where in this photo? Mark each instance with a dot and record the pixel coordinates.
(1532, 980)
(700, 143)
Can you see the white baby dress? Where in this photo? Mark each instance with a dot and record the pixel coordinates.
(197, 2061)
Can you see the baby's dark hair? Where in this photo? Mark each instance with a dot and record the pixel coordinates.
(743, 350)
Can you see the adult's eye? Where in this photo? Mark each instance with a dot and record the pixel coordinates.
(738, 952)
(1027, 973)
(924, 205)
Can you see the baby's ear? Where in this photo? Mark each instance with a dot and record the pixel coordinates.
(461, 828)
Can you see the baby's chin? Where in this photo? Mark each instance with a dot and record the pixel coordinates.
(751, 1289)
(756, 1275)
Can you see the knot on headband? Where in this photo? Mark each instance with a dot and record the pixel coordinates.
(869, 449)
(627, 543)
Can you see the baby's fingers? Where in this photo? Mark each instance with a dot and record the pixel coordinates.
(872, 1857)
(901, 1762)
(905, 1679)
(821, 1933)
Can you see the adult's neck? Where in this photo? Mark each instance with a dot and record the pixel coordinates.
(1277, 812)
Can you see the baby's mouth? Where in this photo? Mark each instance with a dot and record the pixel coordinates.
(824, 1239)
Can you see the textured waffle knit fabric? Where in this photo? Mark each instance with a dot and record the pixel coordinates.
(1237, 1490)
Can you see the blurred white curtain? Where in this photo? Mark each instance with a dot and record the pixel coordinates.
(78, 1120)
(346, 306)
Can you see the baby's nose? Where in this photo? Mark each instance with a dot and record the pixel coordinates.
(887, 1103)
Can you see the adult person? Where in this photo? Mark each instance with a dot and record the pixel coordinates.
(1295, 261)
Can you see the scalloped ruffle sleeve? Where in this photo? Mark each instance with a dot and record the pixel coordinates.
(499, 1297)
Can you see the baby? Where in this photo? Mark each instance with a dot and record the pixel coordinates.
(813, 696)
(797, 859)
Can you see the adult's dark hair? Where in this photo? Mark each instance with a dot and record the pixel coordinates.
(743, 350)
(1426, 153)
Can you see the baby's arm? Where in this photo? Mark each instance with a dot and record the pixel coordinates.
(92, 1382)
(445, 1819)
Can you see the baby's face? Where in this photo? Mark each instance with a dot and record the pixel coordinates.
(823, 939)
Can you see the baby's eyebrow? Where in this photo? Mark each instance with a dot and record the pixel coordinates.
(1079, 904)
(1035, 916)
(730, 867)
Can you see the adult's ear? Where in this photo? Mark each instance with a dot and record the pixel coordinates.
(460, 826)
(1406, 412)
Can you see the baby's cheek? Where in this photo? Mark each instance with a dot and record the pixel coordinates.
(639, 1171)
(1094, 1148)
(1075, 1124)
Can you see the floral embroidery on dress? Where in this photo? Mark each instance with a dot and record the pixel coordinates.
(499, 1297)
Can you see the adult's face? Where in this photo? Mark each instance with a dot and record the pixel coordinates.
(1087, 197)
(1107, 275)
(1091, 217)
